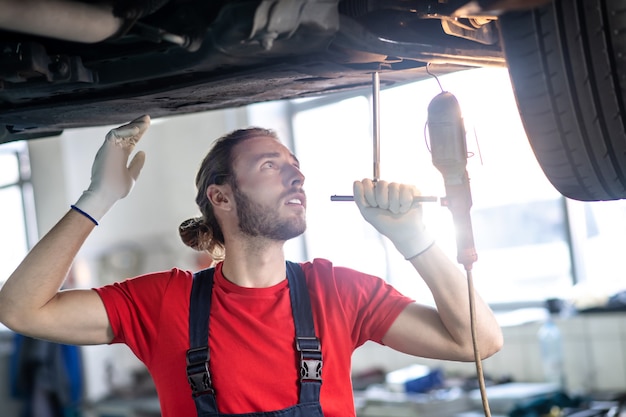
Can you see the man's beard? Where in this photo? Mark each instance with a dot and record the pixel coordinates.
(260, 221)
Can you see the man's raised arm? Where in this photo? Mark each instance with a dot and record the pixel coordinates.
(31, 302)
(443, 332)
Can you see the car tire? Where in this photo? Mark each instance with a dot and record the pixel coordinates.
(567, 64)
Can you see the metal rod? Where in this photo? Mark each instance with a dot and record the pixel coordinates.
(376, 123)
(416, 199)
(376, 153)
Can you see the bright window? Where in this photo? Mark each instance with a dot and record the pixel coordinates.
(15, 200)
(520, 221)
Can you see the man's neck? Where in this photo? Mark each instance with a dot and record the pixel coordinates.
(254, 264)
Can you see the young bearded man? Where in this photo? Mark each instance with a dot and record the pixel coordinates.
(256, 335)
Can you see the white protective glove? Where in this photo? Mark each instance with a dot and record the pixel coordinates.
(111, 178)
(390, 209)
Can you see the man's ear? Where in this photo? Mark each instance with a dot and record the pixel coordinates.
(219, 196)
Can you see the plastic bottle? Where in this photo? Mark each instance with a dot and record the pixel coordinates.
(552, 352)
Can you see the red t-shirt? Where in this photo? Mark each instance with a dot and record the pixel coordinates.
(253, 362)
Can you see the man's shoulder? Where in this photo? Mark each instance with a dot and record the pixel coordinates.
(155, 281)
(318, 267)
(173, 274)
(324, 271)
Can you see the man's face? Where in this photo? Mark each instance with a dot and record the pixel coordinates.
(268, 193)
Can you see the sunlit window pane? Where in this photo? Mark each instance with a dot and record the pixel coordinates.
(332, 155)
(519, 218)
(13, 179)
(9, 173)
(603, 273)
(13, 244)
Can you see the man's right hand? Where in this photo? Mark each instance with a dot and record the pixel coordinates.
(389, 207)
(112, 178)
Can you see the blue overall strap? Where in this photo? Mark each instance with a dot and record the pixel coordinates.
(307, 343)
(198, 373)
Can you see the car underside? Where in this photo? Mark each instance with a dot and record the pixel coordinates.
(67, 64)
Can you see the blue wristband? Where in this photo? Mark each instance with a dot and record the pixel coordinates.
(84, 214)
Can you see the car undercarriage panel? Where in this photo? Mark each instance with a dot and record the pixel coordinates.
(181, 57)
(274, 82)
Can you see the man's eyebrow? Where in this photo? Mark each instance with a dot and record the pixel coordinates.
(274, 155)
(266, 155)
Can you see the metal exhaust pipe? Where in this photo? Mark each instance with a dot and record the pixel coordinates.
(60, 19)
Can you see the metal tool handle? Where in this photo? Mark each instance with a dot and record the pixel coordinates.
(376, 124)
(416, 199)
